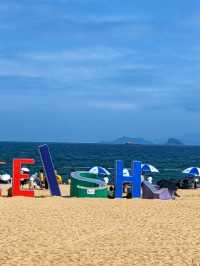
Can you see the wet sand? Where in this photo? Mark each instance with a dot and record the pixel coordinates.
(70, 231)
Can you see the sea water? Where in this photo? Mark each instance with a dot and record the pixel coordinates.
(170, 160)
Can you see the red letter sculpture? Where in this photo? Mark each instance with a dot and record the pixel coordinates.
(17, 176)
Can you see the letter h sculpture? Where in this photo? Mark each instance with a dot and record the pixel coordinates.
(134, 179)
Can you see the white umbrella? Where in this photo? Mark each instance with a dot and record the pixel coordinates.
(5, 177)
(25, 170)
(149, 168)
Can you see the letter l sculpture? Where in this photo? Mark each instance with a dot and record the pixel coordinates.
(49, 170)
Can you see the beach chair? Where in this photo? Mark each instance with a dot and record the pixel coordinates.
(150, 191)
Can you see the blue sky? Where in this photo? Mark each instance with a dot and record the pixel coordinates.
(74, 70)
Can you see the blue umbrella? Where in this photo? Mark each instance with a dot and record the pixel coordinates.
(190, 175)
(149, 168)
(192, 171)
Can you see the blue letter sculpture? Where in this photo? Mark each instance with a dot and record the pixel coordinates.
(49, 170)
(134, 179)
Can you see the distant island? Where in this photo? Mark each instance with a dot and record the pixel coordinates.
(141, 141)
(173, 141)
(129, 141)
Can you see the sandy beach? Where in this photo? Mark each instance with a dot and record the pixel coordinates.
(71, 231)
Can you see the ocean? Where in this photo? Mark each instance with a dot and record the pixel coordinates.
(170, 160)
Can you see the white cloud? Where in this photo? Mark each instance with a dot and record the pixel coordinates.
(16, 67)
(72, 65)
(113, 105)
(9, 7)
(98, 53)
(107, 18)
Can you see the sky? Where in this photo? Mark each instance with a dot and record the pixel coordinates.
(90, 70)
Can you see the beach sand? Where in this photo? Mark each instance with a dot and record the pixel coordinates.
(71, 231)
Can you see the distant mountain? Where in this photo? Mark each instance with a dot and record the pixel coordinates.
(173, 141)
(191, 139)
(129, 140)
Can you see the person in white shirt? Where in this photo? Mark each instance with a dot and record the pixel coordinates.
(150, 179)
(142, 177)
(106, 180)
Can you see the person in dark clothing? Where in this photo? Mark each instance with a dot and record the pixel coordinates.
(111, 192)
(41, 178)
(170, 184)
(46, 183)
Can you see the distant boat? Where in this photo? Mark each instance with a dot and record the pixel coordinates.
(129, 143)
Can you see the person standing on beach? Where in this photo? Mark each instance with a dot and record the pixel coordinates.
(46, 185)
(58, 177)
(195, 182)
(106, 180)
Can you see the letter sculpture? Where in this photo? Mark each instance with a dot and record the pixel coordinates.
(49, 170)
(17, 176)
(134, 179)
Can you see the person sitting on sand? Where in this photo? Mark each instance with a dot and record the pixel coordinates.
(46, 185)
(41, 178)
(170, 184)
(150, 179)
(34, 182)
(24, 182)
(142, 177)
(127, 190)
(111, 192)
(196, 180)
(58, 177)
(106, 180)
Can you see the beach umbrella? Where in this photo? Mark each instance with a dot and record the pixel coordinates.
(25, 170)
(5, 177)
(98, 170)
(149, 168)
(126, 172)
(192, 171)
